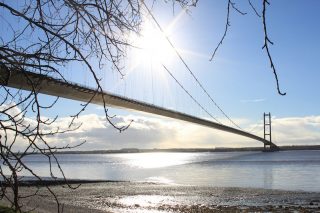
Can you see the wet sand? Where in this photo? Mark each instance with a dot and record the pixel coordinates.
(152, 197)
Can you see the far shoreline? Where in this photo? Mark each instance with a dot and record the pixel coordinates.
(185, 150)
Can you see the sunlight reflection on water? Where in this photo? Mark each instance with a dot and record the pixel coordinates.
(145, 203)
(157, 160)
(160, 179)
(146, 200)
(288, 170)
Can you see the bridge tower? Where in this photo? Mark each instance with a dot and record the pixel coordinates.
(268, 147)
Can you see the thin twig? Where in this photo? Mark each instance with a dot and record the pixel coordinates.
(230, 3)
(254, 9)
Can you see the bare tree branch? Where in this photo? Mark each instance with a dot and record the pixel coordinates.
(51, 35)
(230, 3)
(267, 41)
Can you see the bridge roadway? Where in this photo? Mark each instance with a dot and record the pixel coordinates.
(55, 87)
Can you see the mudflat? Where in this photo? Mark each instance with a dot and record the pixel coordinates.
(153, 197)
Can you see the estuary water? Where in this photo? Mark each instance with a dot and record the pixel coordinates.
(286, 170)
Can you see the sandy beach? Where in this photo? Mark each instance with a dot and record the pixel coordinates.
(152, 197)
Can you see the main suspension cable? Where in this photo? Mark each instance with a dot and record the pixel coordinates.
(187, 67)
(186, 91)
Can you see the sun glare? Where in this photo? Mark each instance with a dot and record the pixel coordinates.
(151, 45)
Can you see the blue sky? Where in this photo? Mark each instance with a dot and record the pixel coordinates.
(239, 78)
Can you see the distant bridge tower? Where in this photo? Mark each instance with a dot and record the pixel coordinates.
(267, 127)
(267, 132)
(268, 147)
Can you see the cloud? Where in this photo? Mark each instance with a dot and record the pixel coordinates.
(253, 100)
(158, 132)
(147, 132)
(297, 130)
(292, 130)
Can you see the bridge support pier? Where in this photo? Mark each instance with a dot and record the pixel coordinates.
(270, 147)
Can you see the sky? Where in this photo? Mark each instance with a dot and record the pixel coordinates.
(239, 79)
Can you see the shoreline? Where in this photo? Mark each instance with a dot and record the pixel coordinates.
(114, 196)
(195, 150)
(60, 181)
(30, 182)
(191, 150)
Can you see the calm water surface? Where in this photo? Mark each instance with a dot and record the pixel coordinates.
(288, 170)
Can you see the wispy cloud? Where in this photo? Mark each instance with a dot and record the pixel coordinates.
(253, 100)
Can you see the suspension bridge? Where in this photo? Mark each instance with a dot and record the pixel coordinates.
(56, 87)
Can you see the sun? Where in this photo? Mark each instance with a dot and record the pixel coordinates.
(151, 45)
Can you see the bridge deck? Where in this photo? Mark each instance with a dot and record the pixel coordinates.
(55, 87)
